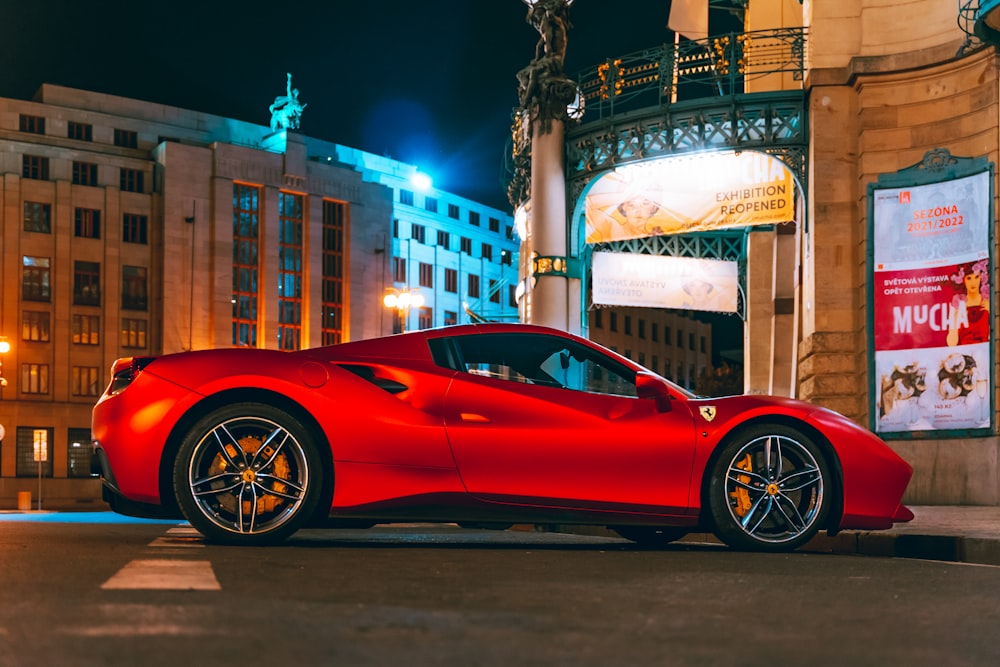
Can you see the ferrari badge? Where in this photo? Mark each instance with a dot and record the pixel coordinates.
(708, 412)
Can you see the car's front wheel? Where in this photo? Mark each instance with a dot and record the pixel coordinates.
(770, 490)
(248, 474)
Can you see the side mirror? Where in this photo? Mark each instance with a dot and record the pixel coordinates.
(648, 385)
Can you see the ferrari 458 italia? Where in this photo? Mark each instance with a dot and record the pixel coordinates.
(484, 425)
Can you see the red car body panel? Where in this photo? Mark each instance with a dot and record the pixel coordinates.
(439, 438)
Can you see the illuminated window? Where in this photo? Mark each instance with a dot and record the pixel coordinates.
(133, 334)
(126, 138)
(35, 167)
(246, 212)
(87, 223)
(134, 228)
(37, 217)
(79, 131)
(35, 378)
(36, 279)
(87, 283)
(290, 219)
(84, 173)
(86, 330)
(84, 380)
(34, 451)
(334, 226)
(32, 124)
(35, 326)
(134, 287)
(132, 180)
(425, 318)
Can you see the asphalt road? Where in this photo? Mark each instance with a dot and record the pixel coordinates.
(154, 594)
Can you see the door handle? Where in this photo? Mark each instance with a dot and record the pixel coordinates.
(473, 418)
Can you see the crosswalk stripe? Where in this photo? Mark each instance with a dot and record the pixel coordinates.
(162, 574)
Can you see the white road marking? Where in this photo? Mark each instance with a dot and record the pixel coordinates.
(160, 574)
(181, 537)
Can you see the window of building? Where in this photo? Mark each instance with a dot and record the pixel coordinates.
(506, 257)
(691, 341)
(426, 274)
(399, 269)
(642, 359)
(406, 197)
(654, 365)
(473, 291)
(425, 318)
(444, 239)
(418, 233)
(126, 138)
(431, 204)
(86, 330)
(680, 338)
(334, 226)
(79, 131)
(509, 232)
(133, 333)
(494, 225)
(628, 325)
(598, 319)
(474, 218)
(35, 378)
(290, 221)
(86, 283)
(32, 124)
(134, 287)
(642, 329)
(512, 296)
(628, 353)
(37, 217)
(654, 332)
(80, 459)
(466, 245)
(395, 228)
(453, 211)
(35, 326)
(87, 223)
(494, 292)
(487, 251)
(702, 344)
(246, 237)
(84, 173)
(32, 441)
(84, 380)
(613, 321)
(132, 180)
(134, 228)
(450, 318)
(36, 279)
(666, 335)
(451, 280)
(36, 167)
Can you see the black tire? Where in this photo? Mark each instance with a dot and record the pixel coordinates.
(770, 489)
(651, 536)
(248, 474)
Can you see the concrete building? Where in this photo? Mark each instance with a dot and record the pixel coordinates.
(129, 228)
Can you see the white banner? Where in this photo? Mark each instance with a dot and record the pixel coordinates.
(650, 281)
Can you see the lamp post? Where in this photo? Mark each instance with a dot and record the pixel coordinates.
(4, 349)
(401, 300)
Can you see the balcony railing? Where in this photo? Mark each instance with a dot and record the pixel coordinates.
(721, 65)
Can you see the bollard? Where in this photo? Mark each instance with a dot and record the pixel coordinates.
(24, 500)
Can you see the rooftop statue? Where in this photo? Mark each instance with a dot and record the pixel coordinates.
(543, 87)
(286, 110)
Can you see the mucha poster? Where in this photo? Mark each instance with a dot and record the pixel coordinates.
(931, 287)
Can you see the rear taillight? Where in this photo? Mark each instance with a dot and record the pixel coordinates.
(124, 371)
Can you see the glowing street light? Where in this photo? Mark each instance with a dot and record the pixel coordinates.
(401, 301)
(4, 349)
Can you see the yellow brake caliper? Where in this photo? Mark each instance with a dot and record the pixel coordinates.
(279, 469)
(740, 496)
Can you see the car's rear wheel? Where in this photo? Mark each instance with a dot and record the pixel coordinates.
(770, 489)
(650, 536)
(248, 474)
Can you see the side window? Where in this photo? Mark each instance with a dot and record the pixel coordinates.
(543, 360)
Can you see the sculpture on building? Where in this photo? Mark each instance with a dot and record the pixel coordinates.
(286, 110)
(544, 90)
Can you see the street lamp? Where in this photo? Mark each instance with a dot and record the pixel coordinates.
(401, 300)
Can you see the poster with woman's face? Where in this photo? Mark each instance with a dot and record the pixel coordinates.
(930, 313)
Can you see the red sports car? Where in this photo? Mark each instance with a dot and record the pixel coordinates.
(482, 424)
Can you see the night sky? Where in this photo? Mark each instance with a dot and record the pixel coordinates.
(428, 83)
